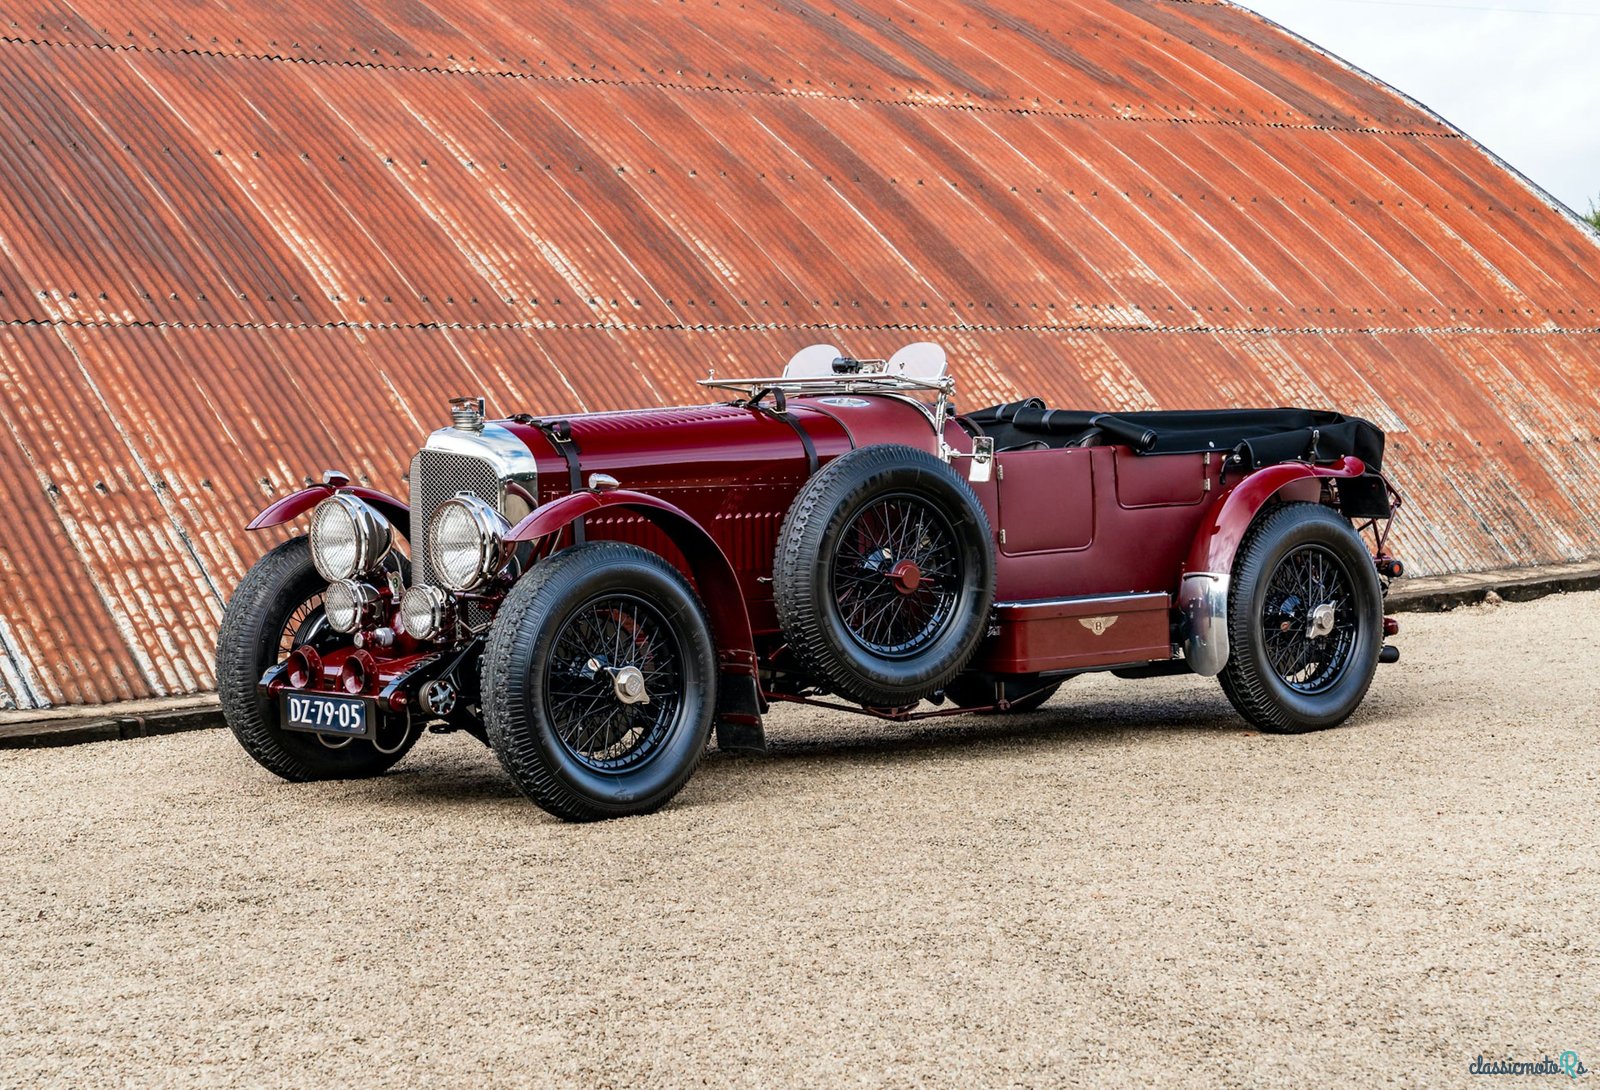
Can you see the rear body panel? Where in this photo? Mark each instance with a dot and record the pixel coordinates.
(1065, 526)
(1085, 533)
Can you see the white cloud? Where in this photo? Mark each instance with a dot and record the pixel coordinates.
(1524, 85)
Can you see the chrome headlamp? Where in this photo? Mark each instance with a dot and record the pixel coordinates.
(467, 542)
(425, 612)
(348, 604)
(348, 538)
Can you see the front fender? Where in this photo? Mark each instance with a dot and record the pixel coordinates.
(1203, 594)
(290, 507)
(739, 700)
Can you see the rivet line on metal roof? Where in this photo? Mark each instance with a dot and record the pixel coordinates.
(852, 327)
(911, 103)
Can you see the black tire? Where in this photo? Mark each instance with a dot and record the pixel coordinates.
(1280, 675)
(272, 610)
(857, 512)
(1024, 694)
(547, 707)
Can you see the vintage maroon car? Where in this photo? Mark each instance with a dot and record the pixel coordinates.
(591, 594)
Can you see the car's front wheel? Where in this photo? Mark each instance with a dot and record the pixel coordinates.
(600, 682)
(278, 607)
(1305, 620)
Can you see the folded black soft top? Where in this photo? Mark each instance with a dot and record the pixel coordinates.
(1260, 436)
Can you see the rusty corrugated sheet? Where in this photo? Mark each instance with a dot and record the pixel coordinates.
(241, 243)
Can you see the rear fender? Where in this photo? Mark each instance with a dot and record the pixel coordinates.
(1203, 594)
(738, 692)
(290, 507)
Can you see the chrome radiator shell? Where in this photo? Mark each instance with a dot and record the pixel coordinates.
(483, 463)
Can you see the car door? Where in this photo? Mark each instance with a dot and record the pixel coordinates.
(1046, 500)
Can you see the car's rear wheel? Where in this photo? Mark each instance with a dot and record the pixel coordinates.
(884, 575)
(278, 607)
(1305, 621)
(600, 682)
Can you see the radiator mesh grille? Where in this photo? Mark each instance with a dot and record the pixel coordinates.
(436, 475)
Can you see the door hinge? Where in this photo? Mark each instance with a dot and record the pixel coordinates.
(1205, 478)
(1000, 471)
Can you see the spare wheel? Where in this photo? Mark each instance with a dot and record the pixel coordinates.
(884, 575)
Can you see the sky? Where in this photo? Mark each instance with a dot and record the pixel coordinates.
(1521, 77)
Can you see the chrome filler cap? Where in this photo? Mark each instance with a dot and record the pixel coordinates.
(466, 413)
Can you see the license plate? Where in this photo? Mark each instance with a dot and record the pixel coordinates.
(340, 715)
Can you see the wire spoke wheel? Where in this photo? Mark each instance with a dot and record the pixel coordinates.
(883, 576)
(1305, 620)
(614, 681)
(600, 682)
(1309, 620)
(896, 575)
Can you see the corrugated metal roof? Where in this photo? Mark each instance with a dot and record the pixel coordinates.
(241, 243)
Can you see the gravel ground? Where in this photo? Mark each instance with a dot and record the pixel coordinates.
(1126, 888)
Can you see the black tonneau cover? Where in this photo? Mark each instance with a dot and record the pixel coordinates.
(1260, 436)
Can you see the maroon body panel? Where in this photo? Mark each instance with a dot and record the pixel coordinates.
(869, 419)
(1086, 533)
(1065, 526)
(1045, 503)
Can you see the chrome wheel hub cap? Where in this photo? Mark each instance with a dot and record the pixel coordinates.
(629, 685)
(627, 682)
(1320, 622)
